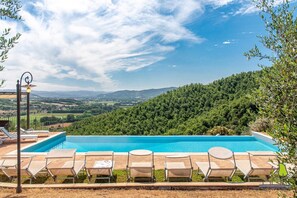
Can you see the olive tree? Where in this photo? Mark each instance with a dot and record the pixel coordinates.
(9, 10)
(277, 94)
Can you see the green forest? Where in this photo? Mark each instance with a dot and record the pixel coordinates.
(193, 109)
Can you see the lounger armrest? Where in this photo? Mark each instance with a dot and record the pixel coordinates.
(15, 156)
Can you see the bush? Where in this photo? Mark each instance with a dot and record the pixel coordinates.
(220, 130)
(261, 125)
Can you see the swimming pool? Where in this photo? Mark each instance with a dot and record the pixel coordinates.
(154, 143)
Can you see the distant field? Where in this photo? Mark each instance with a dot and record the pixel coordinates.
(38, 116)
(108, 102)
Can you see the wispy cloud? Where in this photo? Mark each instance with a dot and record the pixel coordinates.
(249, 7)
(89, 40)
(226, 42)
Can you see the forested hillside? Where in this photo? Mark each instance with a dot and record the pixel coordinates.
(191, 109)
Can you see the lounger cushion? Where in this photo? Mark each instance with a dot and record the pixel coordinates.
(175, 165)
(204, 166)
(141, 169)
(244, 166)
(36, 166)
(141, 165)
(177, 169)
(102, 164)
(78, 166)
(8, 163)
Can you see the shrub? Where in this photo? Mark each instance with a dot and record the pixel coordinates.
(220, 130)
(261, 125)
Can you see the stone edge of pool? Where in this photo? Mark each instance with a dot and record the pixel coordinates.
(257, 135)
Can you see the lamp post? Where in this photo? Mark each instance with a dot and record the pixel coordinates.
(28, 78)
(28, 90)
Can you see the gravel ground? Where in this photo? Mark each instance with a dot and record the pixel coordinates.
(52, 193)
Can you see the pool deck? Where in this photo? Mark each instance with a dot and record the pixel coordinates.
(159, 158)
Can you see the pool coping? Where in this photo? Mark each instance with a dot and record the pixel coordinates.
(263, 137)
(254, 134)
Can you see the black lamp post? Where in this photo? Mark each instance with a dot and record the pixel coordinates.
(28, 78)
(28, 90)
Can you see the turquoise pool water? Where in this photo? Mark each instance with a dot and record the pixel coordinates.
(154, 143)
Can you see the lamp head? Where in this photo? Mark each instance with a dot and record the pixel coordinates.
(28, 87)
(28, 90)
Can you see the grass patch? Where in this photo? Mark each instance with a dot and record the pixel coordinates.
(120, 176)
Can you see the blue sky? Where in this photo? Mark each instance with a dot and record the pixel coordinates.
(126, 44)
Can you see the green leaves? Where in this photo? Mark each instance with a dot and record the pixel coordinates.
(8, 11)
(277, 94)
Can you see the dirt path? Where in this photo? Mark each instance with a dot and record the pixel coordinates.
(53, 193)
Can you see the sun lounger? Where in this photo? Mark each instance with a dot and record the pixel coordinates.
(253, 168)
(29, 167)
(14, 136)
(61, 162)
(178, 166)
(140, 164)
(100, 164)
(2, 140)
(35, 132)
(221, 163)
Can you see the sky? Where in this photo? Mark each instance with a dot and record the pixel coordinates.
(108, 45)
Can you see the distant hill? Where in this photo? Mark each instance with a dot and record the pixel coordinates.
(191, 109)
(132, 94)
(65, 94)
(118, 95)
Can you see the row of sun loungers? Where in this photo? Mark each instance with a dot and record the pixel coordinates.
(35, 132)
(13, 136)
(62, 162)
(25, 134)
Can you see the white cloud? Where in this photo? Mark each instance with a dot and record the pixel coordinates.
(227, 42)
(88, 40)
(249, 7)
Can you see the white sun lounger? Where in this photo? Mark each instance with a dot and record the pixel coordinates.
(14, 136)
(250, 168)
(62, 162)
(100, 164)
(178, 166)
(35, 132)
(29, 167)
(140, 164)
(221, 163)
(2, 140)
